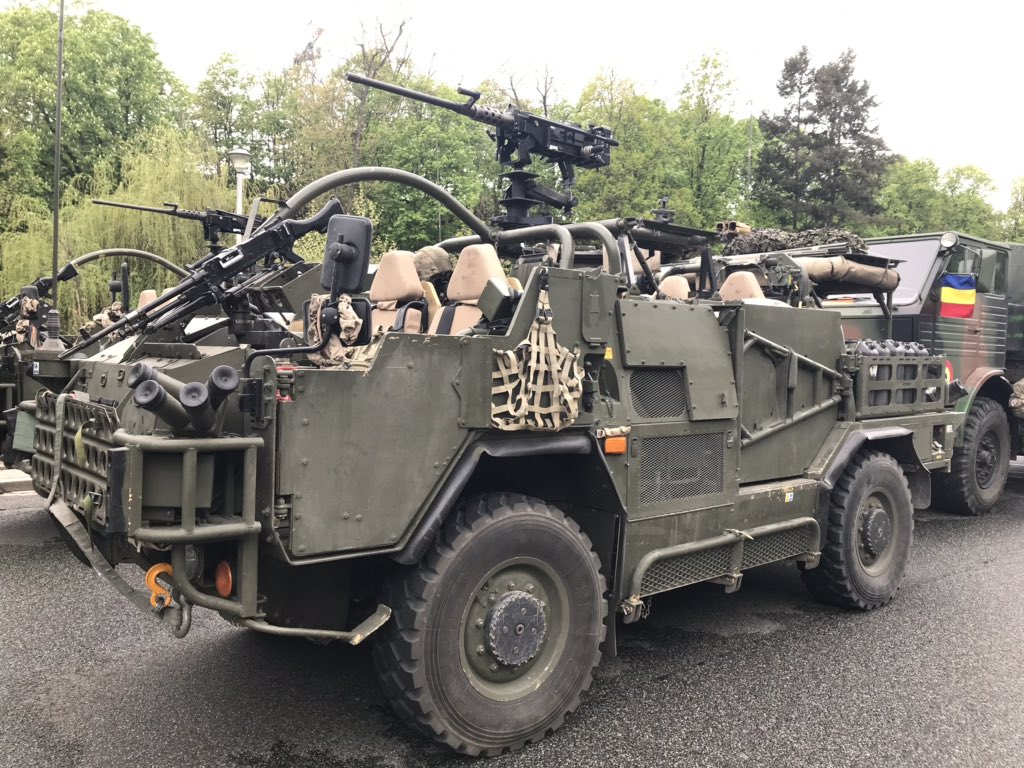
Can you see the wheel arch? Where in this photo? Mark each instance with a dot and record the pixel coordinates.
(993, 384)
(568, 471)
(898, 442)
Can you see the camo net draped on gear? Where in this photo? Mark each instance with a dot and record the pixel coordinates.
(102, 319)
(339, 352)
(764, 240)
(537, 385)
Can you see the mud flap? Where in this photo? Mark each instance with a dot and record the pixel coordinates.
(79, 538)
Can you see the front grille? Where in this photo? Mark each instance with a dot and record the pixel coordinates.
(658, 393)
(777, 546)
(681, 466)
(82, 484)
(675, 572)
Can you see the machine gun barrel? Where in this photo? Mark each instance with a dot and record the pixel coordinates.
(204, 285)
(169, 209)
(470, 109)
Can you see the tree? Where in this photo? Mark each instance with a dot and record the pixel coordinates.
(642, 168)
(911, 199)
(1013, 222)
(115, 88)
(715, 148)
(823, 162)
(784, 172)
(964, 204)
(224, 110)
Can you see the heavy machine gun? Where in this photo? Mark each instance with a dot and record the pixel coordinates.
(209, 281)
(215, 222)
(519, 136)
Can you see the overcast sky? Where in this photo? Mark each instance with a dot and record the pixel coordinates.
(947, 76)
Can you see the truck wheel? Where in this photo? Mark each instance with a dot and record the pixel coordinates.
(977, 473)
(496, 633)
(868, 535)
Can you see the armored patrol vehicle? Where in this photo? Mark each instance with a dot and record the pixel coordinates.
(481, 487)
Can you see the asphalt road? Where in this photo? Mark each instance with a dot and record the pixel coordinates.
(764, 677)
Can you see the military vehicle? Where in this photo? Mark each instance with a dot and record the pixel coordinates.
(485, 497)
(963, 298)
(30, 336)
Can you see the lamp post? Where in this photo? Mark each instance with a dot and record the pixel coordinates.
(240, 161)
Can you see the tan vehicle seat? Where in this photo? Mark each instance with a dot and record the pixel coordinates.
(675, 287)
(145, 297)
(397, 294)
(477, 264)
(739, 286)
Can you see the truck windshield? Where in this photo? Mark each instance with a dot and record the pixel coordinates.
(916, 259)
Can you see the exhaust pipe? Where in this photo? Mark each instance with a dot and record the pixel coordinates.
(151, 396)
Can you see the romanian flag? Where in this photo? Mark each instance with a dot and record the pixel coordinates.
(958, 296)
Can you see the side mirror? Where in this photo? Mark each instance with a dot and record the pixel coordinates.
(347, 255)
(991, 273)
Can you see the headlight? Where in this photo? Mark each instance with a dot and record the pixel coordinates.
(949, 240)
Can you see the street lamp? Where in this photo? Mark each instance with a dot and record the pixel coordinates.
(240, 161)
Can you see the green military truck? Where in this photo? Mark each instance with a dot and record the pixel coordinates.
(961, 297)
(483, 498)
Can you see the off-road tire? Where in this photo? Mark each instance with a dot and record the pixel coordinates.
(842, 577)
(973, 486)
(423, 654)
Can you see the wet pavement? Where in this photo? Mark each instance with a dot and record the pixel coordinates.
(763, 677)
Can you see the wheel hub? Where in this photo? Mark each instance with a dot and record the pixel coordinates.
(516, 628)
(877, 531)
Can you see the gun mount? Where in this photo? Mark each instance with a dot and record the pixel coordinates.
(215, 222)
(518, 137)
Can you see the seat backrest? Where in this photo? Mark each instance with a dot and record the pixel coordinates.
(653, 261)
(145, 297)
(477, 264)
(675, 287)
(739, 286)
(395, 285)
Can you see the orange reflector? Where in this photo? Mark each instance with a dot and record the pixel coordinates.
(224, 579)
(615, 444)
(608, 353)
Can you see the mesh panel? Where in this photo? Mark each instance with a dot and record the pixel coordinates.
(689, 569)
(658, 393)
(681, 466)
(775, 546)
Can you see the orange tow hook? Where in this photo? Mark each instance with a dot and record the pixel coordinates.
(160, 596)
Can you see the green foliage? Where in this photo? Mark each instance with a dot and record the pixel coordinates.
(114, 88)
(823, 162)
(1013, 221)
(163, 165)
(917, 197)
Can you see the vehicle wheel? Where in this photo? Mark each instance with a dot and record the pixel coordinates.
(977, 473)
(868, 535)
(496, 633)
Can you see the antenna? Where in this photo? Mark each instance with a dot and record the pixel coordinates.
(56, 149)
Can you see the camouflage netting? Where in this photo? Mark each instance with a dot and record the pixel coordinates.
(539, 384)
(339, 352)
(764, 240)
(102, 319)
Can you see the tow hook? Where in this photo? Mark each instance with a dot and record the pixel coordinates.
(159, 595)
(168, 604)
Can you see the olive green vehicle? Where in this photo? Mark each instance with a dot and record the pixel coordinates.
(486, 489)
(31, 338)
(980, 330)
